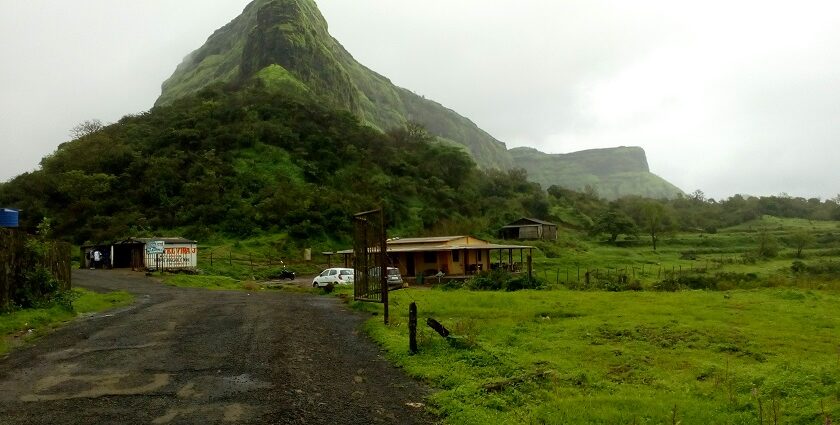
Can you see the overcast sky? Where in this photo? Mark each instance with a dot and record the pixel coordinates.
(725, 96)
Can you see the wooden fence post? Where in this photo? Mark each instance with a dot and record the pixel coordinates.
(412, 328)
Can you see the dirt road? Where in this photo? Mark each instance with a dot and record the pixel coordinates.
(182, 356)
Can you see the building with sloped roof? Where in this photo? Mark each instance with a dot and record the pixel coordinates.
(452, 255)
(530, 229)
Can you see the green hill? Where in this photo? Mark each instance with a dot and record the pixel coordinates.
(287, 44)
(244, 161)
(612, 173)
(291, 37)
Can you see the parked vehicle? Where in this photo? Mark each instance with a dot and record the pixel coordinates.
(394, 277)
(335, 276)
(284, 273)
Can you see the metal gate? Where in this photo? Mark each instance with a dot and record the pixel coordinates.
(370, 261)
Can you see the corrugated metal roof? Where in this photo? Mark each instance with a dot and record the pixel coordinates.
(165, 240)
(434, 239)
(427, 245)
(534, 220)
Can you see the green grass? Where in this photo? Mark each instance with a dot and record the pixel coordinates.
(767, 348)
(596, 357)
(22, 325)
(727, 251)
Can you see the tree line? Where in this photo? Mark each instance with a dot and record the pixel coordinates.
(243, 161)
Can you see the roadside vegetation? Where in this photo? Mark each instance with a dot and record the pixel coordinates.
(20, 325)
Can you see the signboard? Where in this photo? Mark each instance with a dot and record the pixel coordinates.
(172, 256)
(155, 247)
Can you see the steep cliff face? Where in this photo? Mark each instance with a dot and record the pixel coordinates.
(613, 172)
(294, 35)
(287, 45)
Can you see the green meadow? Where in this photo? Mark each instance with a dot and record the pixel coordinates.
(559, 356)
(759, 344)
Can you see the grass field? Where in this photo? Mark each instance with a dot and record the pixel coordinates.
(766, 350)
(728, 251)
(22, 325)
(575, 357)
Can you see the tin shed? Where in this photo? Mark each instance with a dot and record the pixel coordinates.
(530, 228)
(155, 254)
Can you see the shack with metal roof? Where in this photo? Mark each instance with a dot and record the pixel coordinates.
(530, 229)
(159, 253)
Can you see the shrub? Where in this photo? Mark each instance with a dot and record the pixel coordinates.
(688, 255)
(798, 267)
(500, 280)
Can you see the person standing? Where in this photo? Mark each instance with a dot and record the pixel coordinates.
(97, 258)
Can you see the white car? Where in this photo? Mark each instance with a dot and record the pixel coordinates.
(335, 276)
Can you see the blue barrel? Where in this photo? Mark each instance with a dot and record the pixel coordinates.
(8, 217)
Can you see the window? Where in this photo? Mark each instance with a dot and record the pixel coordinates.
(456, 256)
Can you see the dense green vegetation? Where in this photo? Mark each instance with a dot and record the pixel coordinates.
(244, 162)
(21, 325)
(292, 35)
(287, 44)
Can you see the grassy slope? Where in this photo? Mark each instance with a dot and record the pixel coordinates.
(34, 322)
(723, 252)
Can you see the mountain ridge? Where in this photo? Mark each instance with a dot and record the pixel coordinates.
(289, 42)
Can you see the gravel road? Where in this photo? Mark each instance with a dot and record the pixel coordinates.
(185, 356)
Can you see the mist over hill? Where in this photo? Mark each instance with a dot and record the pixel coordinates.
(611, 172)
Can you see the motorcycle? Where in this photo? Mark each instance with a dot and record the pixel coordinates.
(284, 273)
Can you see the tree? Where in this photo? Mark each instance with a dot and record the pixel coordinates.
(613, 223)
(800, 240)
(768, 246)
(85, 128)
(656, 221)
(698, 196)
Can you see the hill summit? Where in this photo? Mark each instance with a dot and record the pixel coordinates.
(286, 44)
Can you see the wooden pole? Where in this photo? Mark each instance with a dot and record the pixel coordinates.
(383, 273)
(412, 328)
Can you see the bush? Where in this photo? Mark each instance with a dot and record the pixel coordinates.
(500, 280)
(798, 267)
(688, 255)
